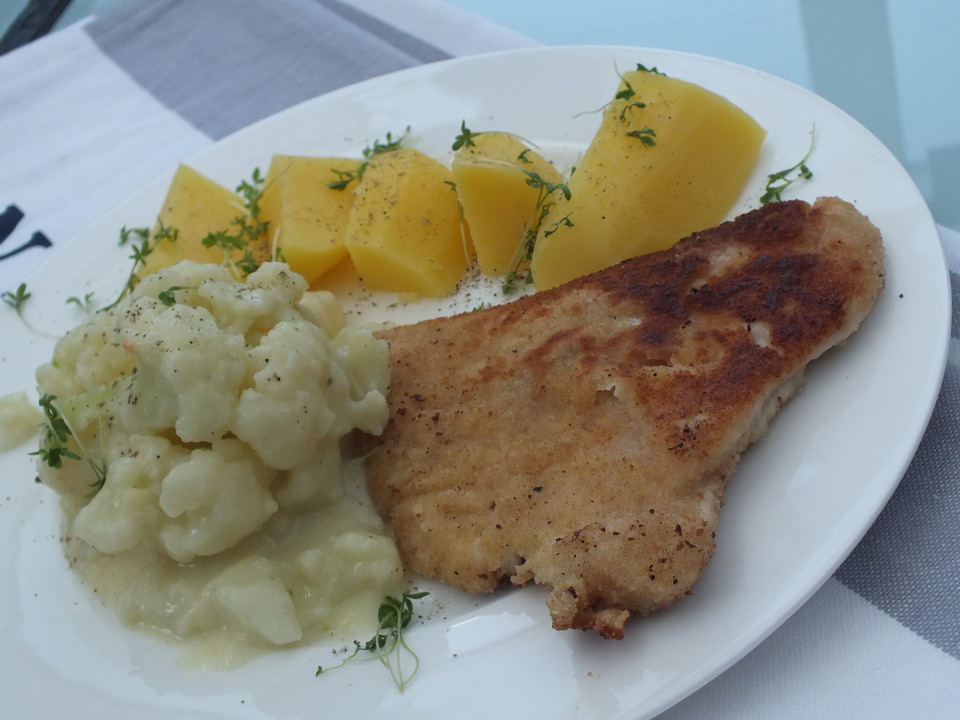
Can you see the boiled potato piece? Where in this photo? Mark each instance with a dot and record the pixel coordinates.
(669, 158)
(195, 206)
(307, 217)
(497, 189)
(403, 234)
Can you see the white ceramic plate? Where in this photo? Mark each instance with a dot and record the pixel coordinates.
(801, 500)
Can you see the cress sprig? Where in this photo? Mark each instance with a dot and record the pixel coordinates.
(141, 247)
(778, 182)
(85, 303)
(54, 444)
(251, 230)
(647, 136)
(388, 644)
(519, 266)
(628, 94)
(168, 296)
(390, 143)
(17, 300)
(465, 138)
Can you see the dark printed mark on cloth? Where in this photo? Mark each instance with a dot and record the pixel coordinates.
(9, 220)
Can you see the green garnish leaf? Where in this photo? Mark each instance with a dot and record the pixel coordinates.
(389, 145)
(252, 192)
(168, 296)
(345, 177)
(53, 448)
(141, 247)
(388, 644)
(225, 240)
(643, 68)
(646, 135)
(778, 182)
(139, 253)
(249, 230)
(127, 233)
(164, 233)
(85, 304)
(17, 299)
(247, 263)
(519, 266)
(627, 92)
(536, 180)
(465, 138)
(565, 221)
(637, 104)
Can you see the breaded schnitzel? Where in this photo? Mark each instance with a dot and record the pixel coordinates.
(582, 437)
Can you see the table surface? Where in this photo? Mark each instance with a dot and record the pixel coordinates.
(891, 64)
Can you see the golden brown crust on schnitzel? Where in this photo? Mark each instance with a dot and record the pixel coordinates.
(581, 438)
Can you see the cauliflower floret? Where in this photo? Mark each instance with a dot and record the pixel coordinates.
(125, 513)
(214, 500)
(268, 296)
(363, 557)
(86, 358)
(287, 411)
(362, 376)
(19, 420)
(253, 594)
(317, 481)
(187, 276)
(202, 366)
(322, 309)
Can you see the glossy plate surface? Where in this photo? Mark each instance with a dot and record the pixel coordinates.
(800, 501)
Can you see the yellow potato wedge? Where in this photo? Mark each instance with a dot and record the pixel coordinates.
(496, 183)
(669, 158)
(403, 234)
(195, 206)
(307, 217)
